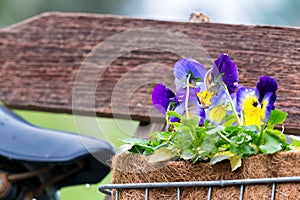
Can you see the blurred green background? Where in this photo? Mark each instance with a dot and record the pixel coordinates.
(274, 12)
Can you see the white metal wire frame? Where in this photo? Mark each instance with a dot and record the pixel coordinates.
(107, 189)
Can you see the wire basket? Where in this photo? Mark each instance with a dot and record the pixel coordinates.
(109, 188)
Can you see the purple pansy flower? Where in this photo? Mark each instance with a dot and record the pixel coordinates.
(162, 96)
(194, 108)
(219, 108)
(214, 89)
(224, 65)
(257, 103)
(186, 66)
(267, 84)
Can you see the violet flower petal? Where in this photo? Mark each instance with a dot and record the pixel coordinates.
(202, 115)
(219, 98)
(224, 65)
(181, 95)
(161, 97)
(267, 84)
(184, 67)
(267, 105)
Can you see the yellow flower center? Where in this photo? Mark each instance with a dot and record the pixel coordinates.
(204, 98)
(254, 112)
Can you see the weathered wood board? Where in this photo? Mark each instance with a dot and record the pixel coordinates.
(40, 59)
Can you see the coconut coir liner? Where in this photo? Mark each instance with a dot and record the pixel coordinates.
(133, 168)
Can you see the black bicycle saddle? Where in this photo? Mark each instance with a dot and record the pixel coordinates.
(24, 147)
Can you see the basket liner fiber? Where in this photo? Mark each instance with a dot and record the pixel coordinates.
(134, 168)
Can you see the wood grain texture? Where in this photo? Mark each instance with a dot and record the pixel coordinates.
(41, 57)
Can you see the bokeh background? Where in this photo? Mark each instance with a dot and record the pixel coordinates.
(275, 12)
(272, 12)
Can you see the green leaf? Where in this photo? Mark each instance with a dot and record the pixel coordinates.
(173, 114)
(296, 143)
(124, 147)
(187, 155)
(135, 145)
(233, 129)
(277, 134)
(244, 150)
(209, 142)
(134, 140)
(276, 117)
(270, 145)
(161, 155)
(253, 128)
(141, 149)
(162, 135)
(215, 130)
(191, 122)
(229, 120)
(165, 144)
(255, 147)
(183, 139)
(220, 157)
(235, 162)
(294, 140)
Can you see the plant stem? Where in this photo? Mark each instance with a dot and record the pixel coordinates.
(187, 96)
(262, 134)
(231, 103)
(224, 137)
(168, 117)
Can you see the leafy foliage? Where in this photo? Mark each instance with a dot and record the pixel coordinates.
(212, 143)
(207, 121)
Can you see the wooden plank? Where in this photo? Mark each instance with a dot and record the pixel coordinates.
(40, 59)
